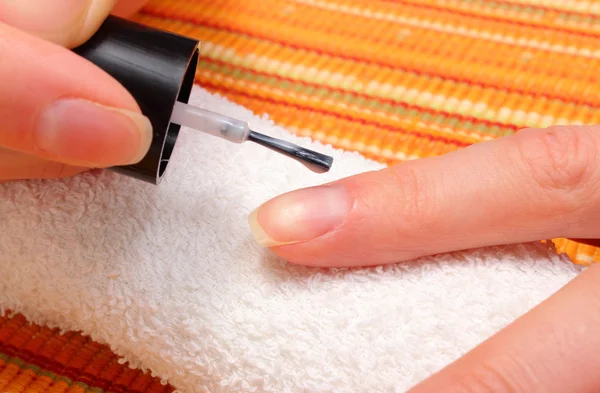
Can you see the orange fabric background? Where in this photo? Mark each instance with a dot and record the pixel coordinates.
(394, 80)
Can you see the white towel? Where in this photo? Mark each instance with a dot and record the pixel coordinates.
(171, 279)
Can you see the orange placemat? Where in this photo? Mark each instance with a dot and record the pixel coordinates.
(394, 80)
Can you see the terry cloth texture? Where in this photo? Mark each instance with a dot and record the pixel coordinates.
(172, 280)
(392, 80)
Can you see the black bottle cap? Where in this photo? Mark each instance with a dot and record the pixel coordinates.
(158, 69)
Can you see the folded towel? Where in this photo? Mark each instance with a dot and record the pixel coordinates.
(170, 278)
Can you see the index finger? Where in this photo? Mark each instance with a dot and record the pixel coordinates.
(537, 184)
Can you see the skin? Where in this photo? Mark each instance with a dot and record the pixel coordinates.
(535, 185)
(78, 117)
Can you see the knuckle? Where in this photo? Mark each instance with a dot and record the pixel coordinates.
(559, 159)
(500, 375)
(416, 200)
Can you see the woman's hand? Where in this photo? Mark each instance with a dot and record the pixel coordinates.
(534, 185)
(61, 114)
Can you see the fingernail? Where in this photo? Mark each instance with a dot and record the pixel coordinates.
(87, 134)
(300, 216)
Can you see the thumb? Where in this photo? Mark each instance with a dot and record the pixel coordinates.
(534, 185)
(68, 23)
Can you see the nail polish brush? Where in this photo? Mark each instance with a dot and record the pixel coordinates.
(158, 69)
(238, 132)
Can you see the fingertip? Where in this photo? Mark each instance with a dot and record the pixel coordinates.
(261, 236)
(300, 216)
(92, 19)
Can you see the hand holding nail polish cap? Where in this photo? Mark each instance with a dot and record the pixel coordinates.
(60, 114)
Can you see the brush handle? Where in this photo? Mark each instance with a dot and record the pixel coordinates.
(199, 119)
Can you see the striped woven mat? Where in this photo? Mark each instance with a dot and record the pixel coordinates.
(395, 80)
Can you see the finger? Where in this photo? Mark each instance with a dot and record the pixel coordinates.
(68, 23)
(126, 8)
(57, 106)
(552, 349)
(536, 184)
(19, 166)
